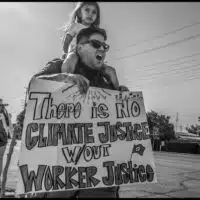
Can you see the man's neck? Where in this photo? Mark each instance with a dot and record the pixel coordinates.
(86, 71)
(94, 76)
(86, 67)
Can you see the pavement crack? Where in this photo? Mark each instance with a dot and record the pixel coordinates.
(182, 185)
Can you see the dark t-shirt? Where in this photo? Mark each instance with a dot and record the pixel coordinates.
(96, 78)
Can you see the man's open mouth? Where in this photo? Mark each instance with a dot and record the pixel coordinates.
(99, 57)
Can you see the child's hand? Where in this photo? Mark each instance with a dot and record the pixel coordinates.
(72, 29)
(111, 73)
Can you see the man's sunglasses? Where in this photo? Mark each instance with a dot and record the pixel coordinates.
(97, 44)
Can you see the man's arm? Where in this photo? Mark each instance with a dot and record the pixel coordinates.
(52, 67)
(76, 79)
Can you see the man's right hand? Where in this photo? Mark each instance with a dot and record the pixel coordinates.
(79, 80)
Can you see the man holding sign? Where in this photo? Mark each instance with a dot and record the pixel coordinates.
(84, 161)
(89, 72)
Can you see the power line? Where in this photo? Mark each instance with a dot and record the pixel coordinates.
(185, 81)
(174, 73)
(186, 61)
(176, 64)
(173, 70)
(178, 69)
(168, 61)
(160, 36)
(194, 78)
(161, 47)
(189, 115)
(179, 58)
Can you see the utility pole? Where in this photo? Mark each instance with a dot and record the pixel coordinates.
(176, 122)
(181, 128)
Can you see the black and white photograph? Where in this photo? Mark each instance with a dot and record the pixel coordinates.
(100, 100)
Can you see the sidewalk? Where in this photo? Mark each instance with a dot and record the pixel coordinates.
(178, 176)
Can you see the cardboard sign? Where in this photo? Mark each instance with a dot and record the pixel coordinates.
(72, 141)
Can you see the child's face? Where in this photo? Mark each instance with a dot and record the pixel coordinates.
(88, 14)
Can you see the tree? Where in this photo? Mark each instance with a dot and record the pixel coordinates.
(19, 125)
(20, 118)
(18, 131)
(161, 122)
(21, 115)
(193, 129)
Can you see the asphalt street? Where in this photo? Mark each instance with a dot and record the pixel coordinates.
(178, 176)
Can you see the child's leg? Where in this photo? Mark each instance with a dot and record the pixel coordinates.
(63, 56)
(69, 63)
(111, 73)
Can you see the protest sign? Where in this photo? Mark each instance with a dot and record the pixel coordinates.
(72, 141)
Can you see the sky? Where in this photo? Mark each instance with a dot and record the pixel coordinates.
(154, 47)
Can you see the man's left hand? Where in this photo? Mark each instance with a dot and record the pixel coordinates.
(123, 88)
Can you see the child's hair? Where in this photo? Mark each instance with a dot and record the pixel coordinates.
(75, 15)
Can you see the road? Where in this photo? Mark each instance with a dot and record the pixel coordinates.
(178, 176)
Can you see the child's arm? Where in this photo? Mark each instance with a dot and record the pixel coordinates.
(112, 75)
(71, 31)
(110, 72)
(69, 64)
(66, 43)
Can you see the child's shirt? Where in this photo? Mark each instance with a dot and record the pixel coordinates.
(73, 30)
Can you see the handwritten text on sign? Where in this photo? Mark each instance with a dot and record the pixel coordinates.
(73, 141)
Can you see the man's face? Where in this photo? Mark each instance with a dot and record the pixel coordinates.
(90, 55)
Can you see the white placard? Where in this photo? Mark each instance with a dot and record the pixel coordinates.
(72, 141)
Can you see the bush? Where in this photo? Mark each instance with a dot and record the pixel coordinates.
(181, 147)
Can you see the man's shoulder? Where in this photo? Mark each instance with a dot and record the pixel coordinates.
(52, 67)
